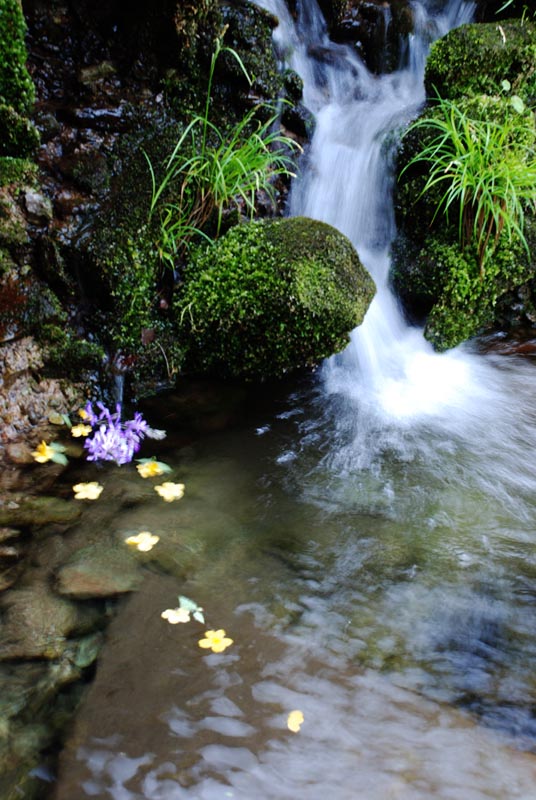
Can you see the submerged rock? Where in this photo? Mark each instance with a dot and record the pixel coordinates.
(38, 511)
(36, 623)
(98, 571)
(271, 297)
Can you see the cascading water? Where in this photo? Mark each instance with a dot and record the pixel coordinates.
(347, 181)
(388, 387)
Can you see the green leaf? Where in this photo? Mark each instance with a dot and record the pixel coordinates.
(59, 458)
(506, 85)
(199, 617)
(185, 602)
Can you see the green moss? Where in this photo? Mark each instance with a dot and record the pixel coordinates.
(474, 59)
(13, 230)
(69, 355)
(16, 87)
(17, 170)
(465, 300)
(18, 136)
(270, 297)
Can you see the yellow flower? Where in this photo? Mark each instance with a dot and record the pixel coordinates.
(149, 468)
(294, 721)
(43, 453)
(215, 641)
(87, 491)
(81, 430)
(170, 491)
(144, 541)
(175, 615)
(82, 413)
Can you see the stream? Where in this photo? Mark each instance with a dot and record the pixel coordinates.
(365, 535)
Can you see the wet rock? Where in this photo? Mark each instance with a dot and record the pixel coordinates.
(9, 577)
(85, 651)
(9, 534)
(12, 220)
(98, 571)
(38, 511)
(19, 453)
(36, 623)
(38, 207)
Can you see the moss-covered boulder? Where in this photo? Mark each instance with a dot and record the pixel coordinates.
(443, 279)
(16, 87)
(270, 297)
(475, 59)
(18, 136)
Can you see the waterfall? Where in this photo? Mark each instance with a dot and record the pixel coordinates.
(388, 392)
(346, 180)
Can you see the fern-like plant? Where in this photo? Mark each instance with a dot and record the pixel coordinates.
(485, 169)
(212, 169)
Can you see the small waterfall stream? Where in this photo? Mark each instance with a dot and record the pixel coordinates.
(347, 181)
(366, 540)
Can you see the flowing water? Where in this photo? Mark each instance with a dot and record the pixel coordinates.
(367, 539)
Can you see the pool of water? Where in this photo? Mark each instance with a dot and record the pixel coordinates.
(381, 578)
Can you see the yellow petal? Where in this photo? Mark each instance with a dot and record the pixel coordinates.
(43, 453)
(87, 491)
(144, 541)
(294, 721)
(169, 491)
(215, 641)
(81, 430)
(150, 469)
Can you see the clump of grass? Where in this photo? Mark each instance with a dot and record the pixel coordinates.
(485, 169)
(212, 170)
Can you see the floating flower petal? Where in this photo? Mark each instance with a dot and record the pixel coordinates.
(87, 491)
(43, 453)
(175, 615)
(150, 468)
(143, 541)
(170, 491)
(294, 721)
(216, 641)
(49, 452)
(81, 430)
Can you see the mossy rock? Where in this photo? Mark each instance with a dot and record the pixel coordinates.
(476, 58)
(17, 170)
(68, 354)
(18, 136)
(16, 87)
(445, 284)
(271, 297)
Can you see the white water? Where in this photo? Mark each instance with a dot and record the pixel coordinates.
(347, 181)
(389, 376)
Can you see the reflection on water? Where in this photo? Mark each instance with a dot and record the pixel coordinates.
(393, 604)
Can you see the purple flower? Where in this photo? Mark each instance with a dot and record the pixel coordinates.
(114, 440)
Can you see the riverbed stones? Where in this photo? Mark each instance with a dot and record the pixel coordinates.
(36, 623)
(98, 571)
(38, 511)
